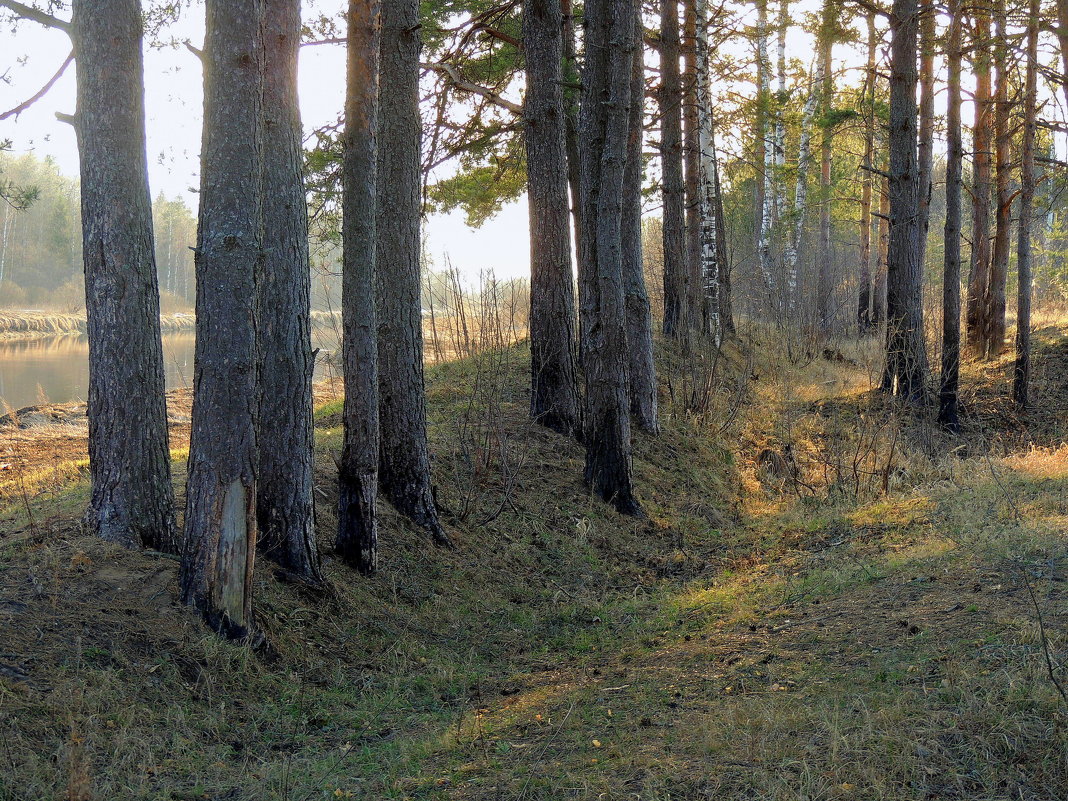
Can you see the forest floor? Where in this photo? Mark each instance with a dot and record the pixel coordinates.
(875, 612)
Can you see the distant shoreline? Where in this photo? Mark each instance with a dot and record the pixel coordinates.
(28, 324)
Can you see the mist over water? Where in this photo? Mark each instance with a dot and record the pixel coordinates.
(55, 369)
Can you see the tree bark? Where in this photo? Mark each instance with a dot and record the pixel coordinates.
(999, 264)
(404, 463)
(824, 259)
(925, 148)
(604, 120)
(878, 295)
(906, 356)
(220, 517)
(1022, 369)
(864, 310)
(554, 400)
(131, 498)
(981, 143)
(285, 511)
(706, 183)
(676, 285)
(948, 417)
(641, 367)
(726, 305)
(692, 150)
(357, 521)
(765, 212)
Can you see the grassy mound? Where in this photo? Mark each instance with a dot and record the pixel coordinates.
(759, 635)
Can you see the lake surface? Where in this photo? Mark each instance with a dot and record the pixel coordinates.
(55, 369)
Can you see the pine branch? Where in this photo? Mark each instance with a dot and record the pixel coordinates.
(21, 107)
(36, 15)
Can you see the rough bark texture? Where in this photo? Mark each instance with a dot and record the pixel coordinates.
(906, 356)
(641, 366)
(404, 467)
(285, 512)
(878, 295)
(982, 136)
(950, 378)
(220, 517)
(131, 501)
(610, 28)
(357, 523)
(676, 285)
(1062, 39)
(824, 258)
(994, 324)
(1022, 369)
(554, 399)
(573, 79)
(925, 145)
(864, 310)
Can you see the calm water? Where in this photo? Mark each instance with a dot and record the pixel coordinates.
(56, 369)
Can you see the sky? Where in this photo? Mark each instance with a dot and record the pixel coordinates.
(173, 98)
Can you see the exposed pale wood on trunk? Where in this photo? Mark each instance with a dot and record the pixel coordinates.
(220, 517)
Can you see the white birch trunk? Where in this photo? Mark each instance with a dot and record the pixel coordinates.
(780, 99)
(804, 151)
(706, 180)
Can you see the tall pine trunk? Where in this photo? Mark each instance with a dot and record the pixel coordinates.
(131, 498)
(1022, 370)
(950, 378)
(285, 511)
(925, 147)
(982, 136)
(641, 368)
(906, 356)
(404, 466)
(220, 516)
(554, 400)
(357, 522)
(610, 39)
(864, 279)
(824, 259)
(676, 285)
(994, 329)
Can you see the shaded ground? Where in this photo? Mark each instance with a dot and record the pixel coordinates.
(870, 627)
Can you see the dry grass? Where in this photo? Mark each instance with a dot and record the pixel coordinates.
(753, 639)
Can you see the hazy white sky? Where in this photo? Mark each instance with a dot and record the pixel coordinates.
(173, 91)
(173, 101)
